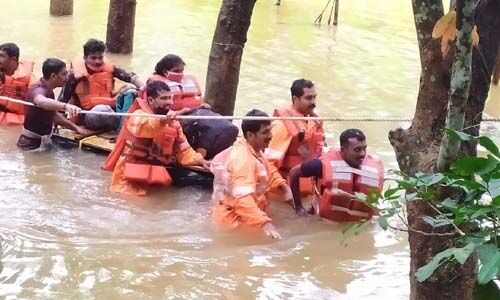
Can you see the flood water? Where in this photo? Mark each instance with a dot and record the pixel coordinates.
(64, 236)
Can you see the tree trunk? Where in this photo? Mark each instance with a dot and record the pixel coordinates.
(417, 148)
(496, 71)
(225, 56)
(483, 62)
(121, 22)
(460, 83)
(61, 7)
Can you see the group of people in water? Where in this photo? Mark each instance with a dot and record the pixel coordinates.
(284, 159)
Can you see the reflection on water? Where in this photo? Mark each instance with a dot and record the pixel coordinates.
(64, 236)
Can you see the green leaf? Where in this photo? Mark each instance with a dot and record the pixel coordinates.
(449, 203)
(431, 179)
(489, 269)
(489, 291)
(391, 192)
(423, 273)
(435, 222)
(462, 136)
(382, 221)
(410, 197)
(494, 188)
(480, 212)
(486, 251)
(487, 143)
(461, 254)
(471, 165)
(353, 229)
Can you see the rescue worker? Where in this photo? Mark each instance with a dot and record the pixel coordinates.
(146, 145)
(343, 172)
(15, 78)
(295, 142)
(91, 84)
(40, 119)
(243, 176)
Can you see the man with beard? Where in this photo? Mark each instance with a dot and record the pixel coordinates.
(294, 141)
(243, 176)
(343, 173)
(40, 119)
(147, 144)
(15, 78)
(90, 85)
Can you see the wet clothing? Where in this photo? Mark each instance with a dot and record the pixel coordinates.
(15, 86)
(38, 122)
(212, 135)
(143, 128)
(249, 176)
(312, 168)
(293, 143)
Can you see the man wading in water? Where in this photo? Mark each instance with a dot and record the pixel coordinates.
(40, 119)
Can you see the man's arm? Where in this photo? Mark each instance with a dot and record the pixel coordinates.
(51, 104)
(127, 77)
(312, 168)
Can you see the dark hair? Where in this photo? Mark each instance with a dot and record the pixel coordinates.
(11, 49)
(254, 125)
(168, 62)
(154, 88)
(297, 88)
(351, 133)
(93, 46)
(52, 66)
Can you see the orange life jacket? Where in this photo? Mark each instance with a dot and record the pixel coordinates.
(96, 88)
(15, 86)
(305, 145)
(146, 158)
(223, 192)
(185, 89)
(338, 175)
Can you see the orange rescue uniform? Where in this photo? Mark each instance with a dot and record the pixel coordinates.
(247, 177)
(124, 155)
(295, 142)
(15, 86)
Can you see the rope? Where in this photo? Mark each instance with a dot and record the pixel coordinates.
(328, 119)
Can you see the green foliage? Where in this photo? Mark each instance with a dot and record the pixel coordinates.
(473, 184)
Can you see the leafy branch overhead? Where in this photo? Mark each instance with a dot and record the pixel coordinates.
(474, 183)
(445, 29)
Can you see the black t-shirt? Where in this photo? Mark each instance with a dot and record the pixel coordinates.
(312, 168)
(37, 119)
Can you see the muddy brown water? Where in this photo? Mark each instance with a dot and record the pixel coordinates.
(64, 236)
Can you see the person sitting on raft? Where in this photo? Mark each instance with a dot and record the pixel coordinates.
(185, 89)
(91, 84)
(208, 137)
(15, 78)
(343, 172)
(39, 119)
(145, 145)
(243, 176)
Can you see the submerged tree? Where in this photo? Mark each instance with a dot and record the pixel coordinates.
(225, 55)
(61, 7)
(417, 148)
(496, 71)
(121, 22)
